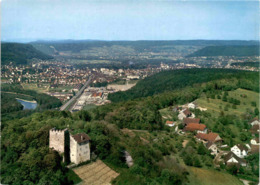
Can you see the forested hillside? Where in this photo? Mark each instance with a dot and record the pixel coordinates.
(20, 53)
(177, 79)
(227, 51)
(156, 151)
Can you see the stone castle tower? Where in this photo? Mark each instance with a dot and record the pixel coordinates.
(74, 147)
(57, 139)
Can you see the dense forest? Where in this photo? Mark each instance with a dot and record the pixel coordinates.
(177, 79)
(227, 51)
(20, 53)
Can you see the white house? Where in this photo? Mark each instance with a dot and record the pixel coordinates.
(191, 106)
(255, 141)
(185, 114)
(212, 147)
(240, 150)
(255, 122)
(233, 159)
(170, 123)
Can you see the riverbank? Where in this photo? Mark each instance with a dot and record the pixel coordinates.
(26, 100)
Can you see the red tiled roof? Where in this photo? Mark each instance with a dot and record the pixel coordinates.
(195, 126)
(208, 137)
(169, 122)
(191, 120)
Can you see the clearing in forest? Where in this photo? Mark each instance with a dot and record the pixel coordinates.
(96, 173)
(200, 176)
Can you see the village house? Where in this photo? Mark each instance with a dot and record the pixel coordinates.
(199, 128)
(255, 141)
(187, 121)
(185, 114)
(191, 106)
(170, 123)
(255, 121)
(210, 137)
(233, 159)
(212, 147)
(240, 150)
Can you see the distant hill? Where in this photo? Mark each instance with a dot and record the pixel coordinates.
(20, 53)
(76, 46)
(227, 51)
(178, 79)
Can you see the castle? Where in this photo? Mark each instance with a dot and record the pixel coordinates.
(75, 148)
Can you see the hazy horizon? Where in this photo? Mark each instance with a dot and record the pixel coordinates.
(27, 20)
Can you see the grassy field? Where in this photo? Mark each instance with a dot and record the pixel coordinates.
(213, 105)
(166, 113)
(35, 88)
(199, 176)
(89, 106)
(67, 88)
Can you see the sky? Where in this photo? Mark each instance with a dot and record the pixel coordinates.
(30, 20)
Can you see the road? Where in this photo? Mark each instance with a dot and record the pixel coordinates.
(63, 107)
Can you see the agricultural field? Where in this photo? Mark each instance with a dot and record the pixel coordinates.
(215, 106)
(96, 173)
(200, 176)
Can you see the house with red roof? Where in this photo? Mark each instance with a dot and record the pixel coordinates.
(170, 123)
(210, 137)
(199, 128)
(187, 121)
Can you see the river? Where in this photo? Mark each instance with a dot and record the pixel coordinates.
(27, 104)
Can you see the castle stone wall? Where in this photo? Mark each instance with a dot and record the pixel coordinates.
(57, 140)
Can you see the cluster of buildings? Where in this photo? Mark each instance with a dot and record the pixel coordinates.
(92, 95)
(213, 141)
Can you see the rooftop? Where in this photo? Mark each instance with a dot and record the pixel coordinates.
(81, 138)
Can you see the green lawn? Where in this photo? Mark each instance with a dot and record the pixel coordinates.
(166, 113)
(213, 105)
(89, 106)
(200, 176)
